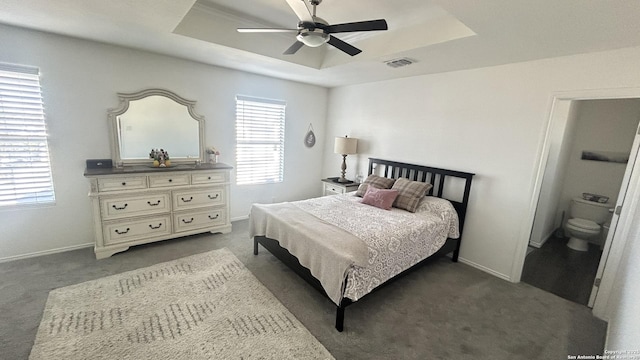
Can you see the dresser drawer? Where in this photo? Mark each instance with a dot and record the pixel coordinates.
(189, 199)
(147, 204)
(186, 221)
(122, 183)
(125, 231)
(156, 181)
(209, 177)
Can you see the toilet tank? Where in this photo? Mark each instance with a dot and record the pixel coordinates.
(589, 210)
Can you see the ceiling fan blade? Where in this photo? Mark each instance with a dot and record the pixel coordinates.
(341, 45)
(370, 25)
(265, 30)
(300, 8)
(293, 48)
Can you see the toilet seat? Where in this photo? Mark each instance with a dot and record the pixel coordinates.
(584, 225)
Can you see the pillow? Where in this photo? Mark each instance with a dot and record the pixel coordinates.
(375, 181)
(409, 193)
(380, 198)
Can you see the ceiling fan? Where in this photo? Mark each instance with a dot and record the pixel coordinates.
(314, 31)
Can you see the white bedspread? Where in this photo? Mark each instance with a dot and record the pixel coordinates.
(327, 251)
(393, 241)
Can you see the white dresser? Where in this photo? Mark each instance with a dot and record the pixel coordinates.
(139, 204)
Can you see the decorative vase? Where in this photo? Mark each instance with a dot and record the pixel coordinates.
(213, 159)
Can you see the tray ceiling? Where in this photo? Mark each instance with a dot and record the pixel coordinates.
(436, 35)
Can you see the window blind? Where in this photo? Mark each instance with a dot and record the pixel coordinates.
(259, 140)
(25, 169)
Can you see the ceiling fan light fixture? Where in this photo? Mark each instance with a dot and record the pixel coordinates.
(313, 38)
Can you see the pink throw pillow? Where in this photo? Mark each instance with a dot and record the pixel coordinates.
(380, 198)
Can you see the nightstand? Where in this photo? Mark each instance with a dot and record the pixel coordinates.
(330, 187)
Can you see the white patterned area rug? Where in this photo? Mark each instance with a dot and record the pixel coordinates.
(205, 306)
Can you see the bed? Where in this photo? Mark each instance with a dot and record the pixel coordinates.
(347, 249)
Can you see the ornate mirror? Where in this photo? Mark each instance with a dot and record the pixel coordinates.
(155, 119)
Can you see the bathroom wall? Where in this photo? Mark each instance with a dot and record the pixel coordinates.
(603, 125)
(563, 123)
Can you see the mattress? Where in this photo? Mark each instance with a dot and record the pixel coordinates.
(352, 248)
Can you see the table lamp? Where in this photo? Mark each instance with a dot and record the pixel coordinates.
(345, 146)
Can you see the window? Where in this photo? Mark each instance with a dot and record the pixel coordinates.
(25, 170)
(259, 140)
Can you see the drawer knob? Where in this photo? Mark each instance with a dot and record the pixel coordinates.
(120, 208)
(209, 178)
(122, 232)
(124, 183)
(170, 180)
(187, 221)
(155, 227)
(187, 200)
(213, 197)
(153, 204)
(214, 217)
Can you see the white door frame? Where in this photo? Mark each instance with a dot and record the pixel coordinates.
(559, 102)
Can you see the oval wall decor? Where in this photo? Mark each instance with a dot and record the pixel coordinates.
(310, 137)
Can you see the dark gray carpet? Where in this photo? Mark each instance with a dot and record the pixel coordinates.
(442, 311)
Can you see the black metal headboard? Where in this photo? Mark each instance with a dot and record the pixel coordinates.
(435, 176)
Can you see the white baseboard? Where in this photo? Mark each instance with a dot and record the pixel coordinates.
(70, 248)
(46, 252)
(544, 240)
(239, 218)
(536, 244)
(485, 269)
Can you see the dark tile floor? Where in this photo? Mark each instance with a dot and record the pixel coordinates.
(562, 271)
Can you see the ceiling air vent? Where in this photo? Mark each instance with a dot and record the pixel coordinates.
(400, 62)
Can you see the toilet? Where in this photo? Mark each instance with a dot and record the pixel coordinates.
(584, 224)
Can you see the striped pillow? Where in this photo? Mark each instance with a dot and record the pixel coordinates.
(377, 182)
(409, 193)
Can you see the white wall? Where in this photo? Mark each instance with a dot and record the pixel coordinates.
(489, 121)
(80, 80)
(560, 143)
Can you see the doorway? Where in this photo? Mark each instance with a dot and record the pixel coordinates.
(577, 125)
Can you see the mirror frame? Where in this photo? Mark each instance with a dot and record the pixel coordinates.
(125, 99)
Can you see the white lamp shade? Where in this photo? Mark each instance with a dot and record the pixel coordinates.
(345, 145)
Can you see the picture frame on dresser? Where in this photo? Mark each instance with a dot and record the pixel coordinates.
(136, 203)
